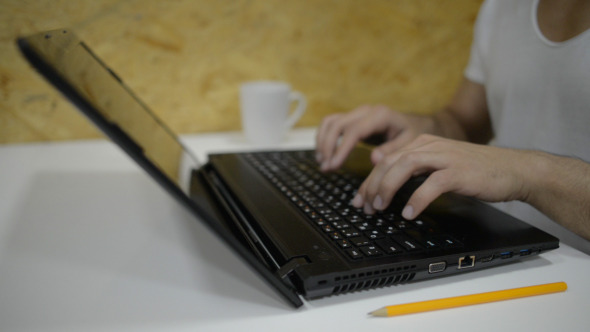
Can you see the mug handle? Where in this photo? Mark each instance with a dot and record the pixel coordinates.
(298, 112)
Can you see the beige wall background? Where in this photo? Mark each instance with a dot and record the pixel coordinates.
(186, 58)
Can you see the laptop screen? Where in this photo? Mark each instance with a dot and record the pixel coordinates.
(100, 87)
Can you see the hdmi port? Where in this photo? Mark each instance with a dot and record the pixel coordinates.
(487, 259)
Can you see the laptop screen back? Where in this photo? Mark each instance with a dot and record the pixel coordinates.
(98, 86)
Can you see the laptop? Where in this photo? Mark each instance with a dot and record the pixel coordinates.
(291, 223)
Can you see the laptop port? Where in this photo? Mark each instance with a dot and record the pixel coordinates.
(506, 254)
(437, 267)
(486, 259)
(466, 262)
(525, 252)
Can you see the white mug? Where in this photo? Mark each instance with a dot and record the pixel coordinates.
(265, 107)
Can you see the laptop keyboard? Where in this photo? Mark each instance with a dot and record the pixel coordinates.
(325, 199)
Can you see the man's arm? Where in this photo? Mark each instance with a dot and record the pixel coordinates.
(560, 188)
(467, 117)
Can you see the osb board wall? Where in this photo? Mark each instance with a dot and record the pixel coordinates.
(186, 58)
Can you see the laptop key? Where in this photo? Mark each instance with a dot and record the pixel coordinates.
(427, 242)
(406, 242)
(328, 228)
(403, 224)
(344, 244)
(448, 242)
(360, 241)
(320, 222)
(389, 246)
(364, 226)
(371, 251)
(431, 244)
(354, 253)
(336, 236)
(349, 233)
(390, 230)
(374, 234)
(340, 224)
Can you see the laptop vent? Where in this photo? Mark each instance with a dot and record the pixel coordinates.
(373, 283)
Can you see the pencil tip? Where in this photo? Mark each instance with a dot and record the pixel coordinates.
(379, 312)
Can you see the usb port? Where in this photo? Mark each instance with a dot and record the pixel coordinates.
(525, 252)
(506, 254)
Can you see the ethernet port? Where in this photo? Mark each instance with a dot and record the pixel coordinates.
(466, 262)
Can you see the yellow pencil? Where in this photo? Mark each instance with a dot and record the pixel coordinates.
(459, 301)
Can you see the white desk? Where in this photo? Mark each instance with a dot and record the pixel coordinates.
(89, 243)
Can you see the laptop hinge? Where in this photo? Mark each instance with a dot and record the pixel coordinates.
(241, 221)
(291, 265)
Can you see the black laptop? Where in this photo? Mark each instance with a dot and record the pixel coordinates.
(291, 223)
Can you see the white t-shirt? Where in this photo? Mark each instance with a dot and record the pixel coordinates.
(538, 91)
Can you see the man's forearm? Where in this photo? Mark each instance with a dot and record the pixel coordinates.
(466, 117)
(447, 125)
(559, 187)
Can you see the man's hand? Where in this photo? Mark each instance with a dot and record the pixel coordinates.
(485, 172)
(557, 186)
(339, 133)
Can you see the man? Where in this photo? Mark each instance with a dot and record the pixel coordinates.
(527, 87)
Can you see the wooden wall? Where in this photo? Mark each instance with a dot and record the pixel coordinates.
(186, 58)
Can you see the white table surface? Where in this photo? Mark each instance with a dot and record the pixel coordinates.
(88, 242)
